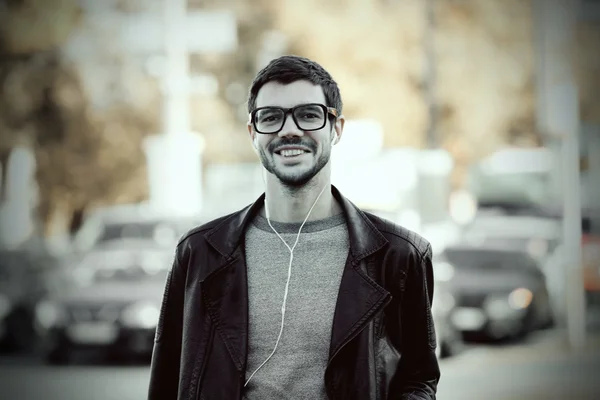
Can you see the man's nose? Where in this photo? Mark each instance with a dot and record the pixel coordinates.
(290, 128)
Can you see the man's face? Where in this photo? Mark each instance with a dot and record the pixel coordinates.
(294, 156)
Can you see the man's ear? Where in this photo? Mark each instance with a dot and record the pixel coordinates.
(339, 128)
(253, 136)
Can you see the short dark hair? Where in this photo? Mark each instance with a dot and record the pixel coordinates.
(291, 68)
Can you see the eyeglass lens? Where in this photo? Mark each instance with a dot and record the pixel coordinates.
(307, 117)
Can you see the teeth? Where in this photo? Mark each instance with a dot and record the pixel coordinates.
(289, 153)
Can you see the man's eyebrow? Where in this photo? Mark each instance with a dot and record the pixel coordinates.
(304, 103)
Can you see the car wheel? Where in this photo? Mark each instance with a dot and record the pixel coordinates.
(446, 350)
(20, 332)
(59, 356)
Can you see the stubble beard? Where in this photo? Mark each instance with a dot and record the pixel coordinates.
(293, 180)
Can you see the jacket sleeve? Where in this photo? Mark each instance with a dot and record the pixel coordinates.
(418, 371)
(164, 368)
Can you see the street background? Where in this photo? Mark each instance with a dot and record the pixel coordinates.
(474, 123)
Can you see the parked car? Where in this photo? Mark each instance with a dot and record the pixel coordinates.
(499, 293)
(112, 305)
(590, 254)
(537, 235)
(449, 339)
(23, 281)
(131, 223)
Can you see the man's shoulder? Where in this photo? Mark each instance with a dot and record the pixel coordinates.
(200, 230)
(400, 236)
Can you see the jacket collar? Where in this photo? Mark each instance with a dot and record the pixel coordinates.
(365, 239)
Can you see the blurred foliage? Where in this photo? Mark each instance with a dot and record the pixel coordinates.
(587, 69)
(85, 155)
(483, 74)
(70, 92)
(222, 120)
(30, 26)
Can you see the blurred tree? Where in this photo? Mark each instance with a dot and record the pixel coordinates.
(587, 70)
(374, 49)
(31, 26)
(86, 155)
(222, 119)
(85, 108)
(485, 74)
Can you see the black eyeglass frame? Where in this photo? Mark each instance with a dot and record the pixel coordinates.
(327, 110)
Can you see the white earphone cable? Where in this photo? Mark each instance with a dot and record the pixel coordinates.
(285, 294)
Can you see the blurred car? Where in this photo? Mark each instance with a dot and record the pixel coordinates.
(538, 236)
(23, 281)
(133, 222)
(590, 254)
(112, 305)
(449, 339)
(498, 293)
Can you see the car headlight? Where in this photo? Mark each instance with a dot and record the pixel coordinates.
(5, 306)
(140, 315)
(443, 272)
(152, 263)
(503, 306)
(520, 298)
(443, 303)
(49, 314)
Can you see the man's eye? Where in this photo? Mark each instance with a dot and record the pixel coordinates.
(269, 118)
(309, 116)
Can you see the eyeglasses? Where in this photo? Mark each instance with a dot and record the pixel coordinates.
(307, 117)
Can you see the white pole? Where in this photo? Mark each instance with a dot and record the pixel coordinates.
(176, 107)
(16, 209)
(175, 156)
(558, 116)
(429, 45)
(568, 124)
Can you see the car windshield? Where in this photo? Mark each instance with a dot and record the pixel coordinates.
(101, 229)
(487, 259)
(133, 274)
(536, 247)
(539, 237)
(156, 231)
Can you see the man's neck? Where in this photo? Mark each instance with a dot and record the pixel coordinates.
(293, 205)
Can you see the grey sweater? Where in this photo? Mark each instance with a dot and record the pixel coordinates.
(297, 368)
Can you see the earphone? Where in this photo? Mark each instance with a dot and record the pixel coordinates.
(287, 284)
(335, 138)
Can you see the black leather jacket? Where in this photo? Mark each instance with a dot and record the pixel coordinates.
(382, 341)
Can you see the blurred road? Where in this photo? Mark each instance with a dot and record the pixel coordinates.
(539, 368)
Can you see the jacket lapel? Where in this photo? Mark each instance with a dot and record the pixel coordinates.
(225, 294)
(225, 286)
(360, 298)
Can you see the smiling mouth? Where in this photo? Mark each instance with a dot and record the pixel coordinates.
(288, 153)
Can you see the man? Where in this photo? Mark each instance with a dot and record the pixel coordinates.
(300, 295)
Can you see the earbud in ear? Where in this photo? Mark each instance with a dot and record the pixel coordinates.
(334, 139)
(255, 142)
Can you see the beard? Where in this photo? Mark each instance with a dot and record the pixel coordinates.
(297, 176)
